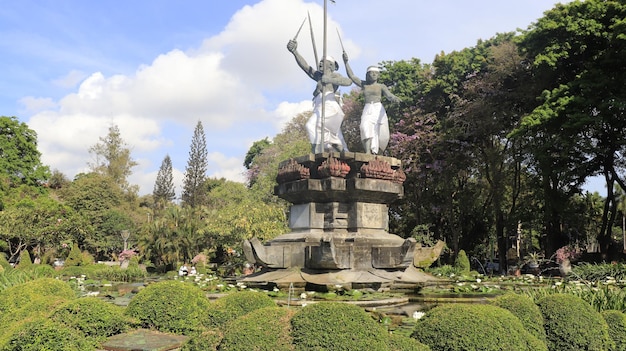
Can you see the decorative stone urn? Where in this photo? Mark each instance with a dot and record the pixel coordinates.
(339, 221)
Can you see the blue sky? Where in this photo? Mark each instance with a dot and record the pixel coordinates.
(71, 68)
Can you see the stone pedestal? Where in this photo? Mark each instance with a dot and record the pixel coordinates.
(339, 221)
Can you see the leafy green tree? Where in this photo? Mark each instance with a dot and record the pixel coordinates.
(164, 185)
(19, 158)
(577, 51)
(256, 148)
(290, 142)
(195, 172)
(113, 158)
(40, 223)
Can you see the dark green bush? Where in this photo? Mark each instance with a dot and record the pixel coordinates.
(102, 271)
(265, 329)
(462, 263)
(43, 334)
(171, 306)
(399, 342)
(617, 328)
(21, 294)
(572, 324)
(336, 326)
(473, 327)
(524, 308)
(237, 304)
(207, 341)
(92, 316)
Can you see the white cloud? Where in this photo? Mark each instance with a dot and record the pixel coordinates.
(221, 84)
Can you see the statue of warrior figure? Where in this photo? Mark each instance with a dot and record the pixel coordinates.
(328, 81)
(374, 124)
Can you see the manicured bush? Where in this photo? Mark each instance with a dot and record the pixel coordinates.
(617, 328)
(43, 334)
(399, 342)
(25, 260)
(524, 308)
(207, 341)
(171, 306)
(4, 263)
(92, 316)
(21, 294)
(336, 326)
(265, 329)
(572, 324)
(462, 263)
(237, 304)
(473, 327)
(74, 258)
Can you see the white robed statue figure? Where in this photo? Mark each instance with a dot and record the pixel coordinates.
(374, 123)
(328, 81)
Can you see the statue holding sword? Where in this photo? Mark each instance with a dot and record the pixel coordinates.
(324, 126)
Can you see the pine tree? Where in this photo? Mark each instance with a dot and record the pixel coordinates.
(195, 172)
(164, 185)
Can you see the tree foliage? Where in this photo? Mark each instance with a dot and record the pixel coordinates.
(113, 159)
(164, 185)
(195, 172)
(19, 158)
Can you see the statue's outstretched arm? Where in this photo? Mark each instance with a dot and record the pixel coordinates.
(350, 73)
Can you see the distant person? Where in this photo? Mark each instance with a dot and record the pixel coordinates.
(374, 123)
(328, 81)
(193, 270)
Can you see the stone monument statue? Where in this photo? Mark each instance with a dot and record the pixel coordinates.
(374, 125)
(324, 100)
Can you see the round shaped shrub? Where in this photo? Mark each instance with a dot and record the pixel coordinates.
(92, 316)
(237, 304)
(18, 295)
(37, 306)
(170, 306)
(524, 308)
(399, 342)
(44, 334)
(572, 324)
(473, 327)
(265, 329)
(617, 328)
(208, 340)
(336, 326)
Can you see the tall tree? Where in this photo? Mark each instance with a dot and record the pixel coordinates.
(19, 158)
(113, 158)
(195, 172)
(578, 52)
(164, 185)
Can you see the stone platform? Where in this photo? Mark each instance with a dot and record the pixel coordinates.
(339, 221)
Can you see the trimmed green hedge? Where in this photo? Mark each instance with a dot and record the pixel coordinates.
(237, 304)
(171, 306)
(524, 308)
(18, 295)
(207, 341)
(474, 327)
(92, 316)
(617, 328)
(265, 329)
(337, 326)
(399, 342)
(40, 333)
(572, 324)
